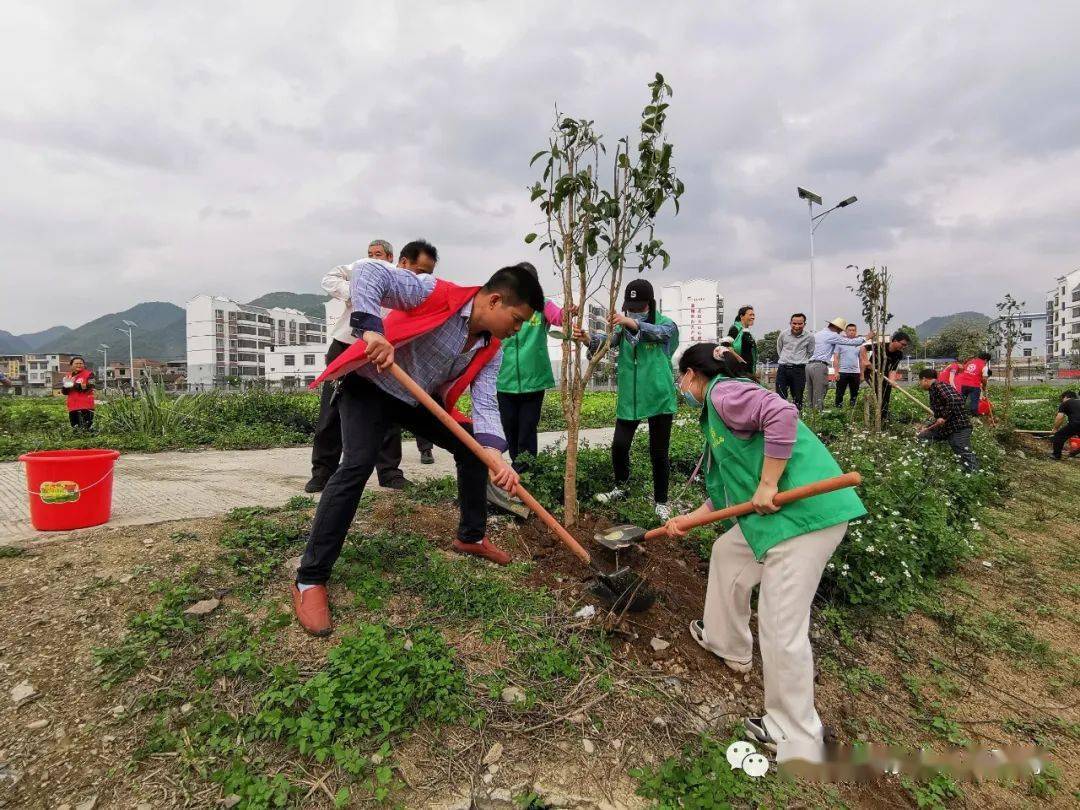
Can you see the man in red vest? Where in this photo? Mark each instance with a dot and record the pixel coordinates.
(446, 338)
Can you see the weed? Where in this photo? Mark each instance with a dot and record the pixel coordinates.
(934, 792)
(11, 551)
(183, 537)
(259, 541)
(150, 633)
(1046, 783)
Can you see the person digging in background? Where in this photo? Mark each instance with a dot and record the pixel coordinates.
(951, 423)
(971, 380)
(524, 377)
(949, 372)
(418, 257)
(755, 446)
(743, 342)
(885, 357)
(849, 363)
(445, 337)
(78, 386)
(794, 348)
(817, 369)
(1066, 424)
(645, 388)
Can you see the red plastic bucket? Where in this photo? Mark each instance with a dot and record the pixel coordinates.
(69, 489)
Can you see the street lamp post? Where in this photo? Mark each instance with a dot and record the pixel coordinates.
(104, 350)
(131, 352)
(812, 198)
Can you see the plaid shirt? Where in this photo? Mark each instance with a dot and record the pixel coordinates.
(433, 359)
(947, 404)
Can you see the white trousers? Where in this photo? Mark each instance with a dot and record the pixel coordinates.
(789, 576)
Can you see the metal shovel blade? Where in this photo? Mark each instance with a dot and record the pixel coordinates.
(619, 537)
(500, 500)
(622, 590)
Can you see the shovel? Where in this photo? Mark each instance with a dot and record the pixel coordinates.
(619, 537)
(903, 391)
(621, 588)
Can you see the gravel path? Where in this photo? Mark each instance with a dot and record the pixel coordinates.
(153, 488)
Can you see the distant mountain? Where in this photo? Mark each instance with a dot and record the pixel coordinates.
(12, 344)
(160, 334)
(930, 327)
(35, 339)
(310, 305)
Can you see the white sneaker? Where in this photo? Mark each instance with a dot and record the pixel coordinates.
(663, 511)
(608, 497)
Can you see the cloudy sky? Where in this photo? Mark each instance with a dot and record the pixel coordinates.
(157, 150)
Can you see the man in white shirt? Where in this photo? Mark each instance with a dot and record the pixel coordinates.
(420, 257)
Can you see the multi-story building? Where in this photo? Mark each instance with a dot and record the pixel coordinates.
(43, 372)
(14, 368)
(1063, 320)
(697, 307)
(1031, 337)
(229, 339)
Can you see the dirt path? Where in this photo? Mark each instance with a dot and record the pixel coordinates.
(180, 485)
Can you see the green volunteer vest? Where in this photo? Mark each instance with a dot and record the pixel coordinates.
(734, 470)
(525, 365)
(645, 379)
(737, 345)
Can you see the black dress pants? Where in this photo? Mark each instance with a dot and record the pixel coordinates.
(326, 443)
(367, 412)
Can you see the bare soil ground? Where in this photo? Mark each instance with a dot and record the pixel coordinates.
(993, 662)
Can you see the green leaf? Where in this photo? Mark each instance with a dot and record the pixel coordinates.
(538, 154)
(341, 798)
(530, 238)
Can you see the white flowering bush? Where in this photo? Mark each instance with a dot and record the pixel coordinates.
(923, 511)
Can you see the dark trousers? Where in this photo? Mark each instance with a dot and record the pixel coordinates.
(1066, 432)
(82, 419)
(520, 415)
(971, 395)
(848, 381)
(659, 444)
(367, 412)
(326, 443)
(959, 441)
(791, 378)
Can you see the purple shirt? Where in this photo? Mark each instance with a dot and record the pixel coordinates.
(747, 408)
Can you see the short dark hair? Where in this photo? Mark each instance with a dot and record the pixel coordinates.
(701, 358)
(1069, 395)
(75, 357)
(795, 315)
(984, 356)
(530, 268)
(928, 374)
(411, 252)
(743, 310)
(518, 286)
(901, 335)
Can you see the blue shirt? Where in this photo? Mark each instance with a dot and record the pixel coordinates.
(434, 359)
(849, 358)
(826, 341)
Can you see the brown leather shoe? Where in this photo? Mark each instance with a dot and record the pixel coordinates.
(312, 609)
(485, 548)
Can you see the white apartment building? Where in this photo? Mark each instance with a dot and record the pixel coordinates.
(43, 371)
(1063, 318)
(229, 339)
(697, 307)
(1032, 336)
(301, 365)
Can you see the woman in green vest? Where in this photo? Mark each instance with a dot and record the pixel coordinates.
(524, 377)
(743, 342)
(756, 446)
(646, 388)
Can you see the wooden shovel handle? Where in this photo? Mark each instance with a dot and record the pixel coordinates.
(437, 410)
(851, 479)
(903, 391)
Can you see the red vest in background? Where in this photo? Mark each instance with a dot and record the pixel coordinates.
(404, 326)
(77, 399)
(971, 374)
(945, 373)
